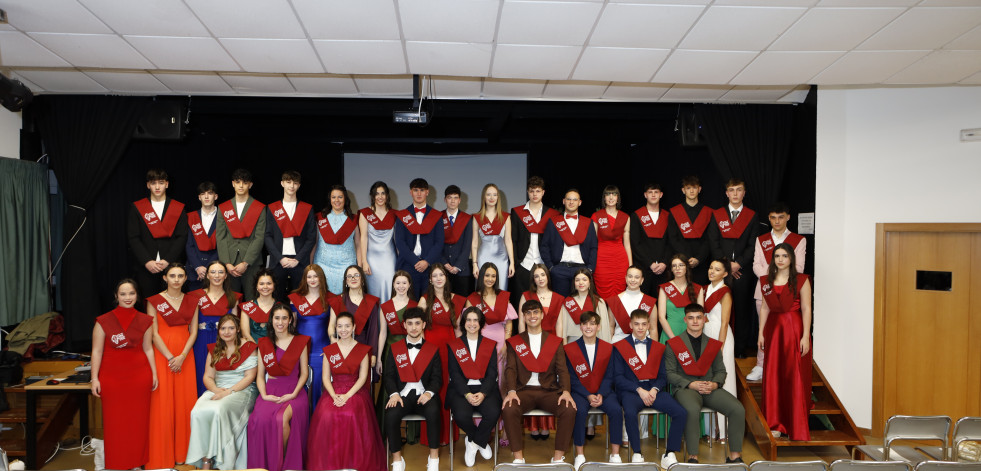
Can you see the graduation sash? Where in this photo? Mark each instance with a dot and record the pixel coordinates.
(160, 229)
(551, 311)
(254, 311)
(391, 316)
(491, 227)
(174, 317)
(132, 336)
(767, 244)
(380, 224)
(290, 227)
(473, 366)
(500, 311)
(716, 297)
(408, 218)
(783, 302)
(568, 237)
(580, 364)
(351, 364)
(328, 234)
(643, 371)
(241, 228)
(361, 314)
(677, 297)
(691, 230)
(216, 309)
(439, 315)
(539, 364)
(652, 229)
(411, 371)
(451, 234)
(304, 307)
(205, 242)
(687, 360)
(290, 358)
(608, 226)
(225, 363)
(734, 229)
(647, 303)
(572, 307)
(529, 221)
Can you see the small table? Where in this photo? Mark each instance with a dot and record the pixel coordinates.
(81, 390)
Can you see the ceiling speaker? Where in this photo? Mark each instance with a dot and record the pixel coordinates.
(162, 121)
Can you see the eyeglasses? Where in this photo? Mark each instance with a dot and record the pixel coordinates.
(353, 276)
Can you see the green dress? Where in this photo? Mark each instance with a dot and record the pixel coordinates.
(676, 315)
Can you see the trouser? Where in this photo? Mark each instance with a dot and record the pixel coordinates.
(745, 323)
(287, 279)
(245, 284)
(719, 400)
(461, 284)
(393, 420)
(652, 282)
(534, 397)
(489, 408)
(610, 406)
(520, 282)
(562, 275)
(664, 403)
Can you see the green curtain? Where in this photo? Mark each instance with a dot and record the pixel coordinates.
(24, 227)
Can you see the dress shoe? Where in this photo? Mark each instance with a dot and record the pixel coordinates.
(736, 460)
(693, 460)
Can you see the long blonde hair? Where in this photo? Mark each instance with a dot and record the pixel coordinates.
(483, 203)
(220, 346)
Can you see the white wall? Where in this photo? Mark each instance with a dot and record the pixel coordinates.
(9, 134)
(883, 155)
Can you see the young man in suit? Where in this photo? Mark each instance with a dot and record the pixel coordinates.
(694, 366)
(457, 238)
(157, 231)
(419, 236)
(649, 240)
(569, 244)
(201, 245)
(414, 371)
(526, 237)
(240, 234)
(290, 236)
(693, 231)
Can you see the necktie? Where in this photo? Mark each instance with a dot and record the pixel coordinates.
(421, 210)
(451, 220)
(735, 214)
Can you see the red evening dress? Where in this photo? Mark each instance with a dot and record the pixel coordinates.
(786, 373)
(441, 331)
(611, 256)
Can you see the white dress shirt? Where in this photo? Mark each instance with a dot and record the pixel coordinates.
(415, 385)
(535, 342)
(289, 249)
(473, 358)
(534, 255)
(571, 253)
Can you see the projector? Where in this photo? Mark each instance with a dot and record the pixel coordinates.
(412, 117)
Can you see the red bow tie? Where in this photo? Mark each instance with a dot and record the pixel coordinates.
(421, 210)
(571, 216)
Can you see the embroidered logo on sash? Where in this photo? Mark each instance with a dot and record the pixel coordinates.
(685, 226)
(279, 213)
(335, 358)
(322, 223)
(645, 307)
(407, 218)
(520, 349)
(389, 316)
(723, 224)
(645, 219)
(196, 227)
(460, 353)
(149, 216)
(683, 356)
(580, 369)
(766, 244)
(486, 227)
(402, 358)
(767, 289)
(559, 225)
(267, 358)
(633, 361)
(372, 218)
(162, 307)
(602, 221)
(228, 214)
(116, 338)
(527, 219)
(669, 290)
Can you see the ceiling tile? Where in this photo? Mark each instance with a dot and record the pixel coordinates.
(797, 95)
(764, 94)
(62, 81)
(739, 28)
(510, 88)
(248, 18)
(665, 2)
(767, 3)
(184, 53)
(972, 80)
(534, 62)
(194, 83)
(695, 93)
(147, 17)
(20, 50)
(785, 68)
(6, 27)
(624, 91)
(362, 57)
(393, 85)
(274, 55)
(129, 82)
(35, 88)
(575, 90)
(547, 23)
(616, 63)
(469, 21)
(348, 19)
(59, 16)
(834, 29)
(940, 67)
(657, 26)
(457, 87)
(924, 28)
(718, 67)
(258, 84)
(94, 50)
(460, 59)
(338, 85)
(969, 40)
(866, 67)
(867, 3)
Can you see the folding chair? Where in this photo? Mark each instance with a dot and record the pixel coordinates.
(967, 429)
(858, 465)
(708, 467)
(788, 466)
(908, 427)
(476, 415)
(947, 466)
(534, 467)
(531, 413)
(594, 466)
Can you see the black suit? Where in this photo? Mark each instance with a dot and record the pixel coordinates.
(700, 248)
(432, 380)
(145, 248)
(521, 242)
(741, 251)
(457, 402)
(647, 250)
(304, 243)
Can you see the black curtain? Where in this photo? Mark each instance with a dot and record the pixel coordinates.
(85, 136)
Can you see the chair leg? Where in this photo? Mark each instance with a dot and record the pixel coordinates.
(497, 440)
(452, 442)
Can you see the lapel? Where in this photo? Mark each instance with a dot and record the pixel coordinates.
(687, 341)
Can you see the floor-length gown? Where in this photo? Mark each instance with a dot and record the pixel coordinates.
(786, 373)
(492, 247)
(265, 432)
(611, 256)
(335, 258)
(312, 321)
(713, 328)
(208, 318)
(441, 331)
(258, 319)
(126, 380)
(380, 253)
(365, 333)
(676, 309)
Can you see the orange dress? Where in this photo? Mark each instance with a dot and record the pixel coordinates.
(171, 403)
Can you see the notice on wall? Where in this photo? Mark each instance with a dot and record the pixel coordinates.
(805, 223)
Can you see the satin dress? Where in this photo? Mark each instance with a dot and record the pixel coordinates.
(316, 328)
(493, 249)
(334, 259)
(381, 259)
(265, 429)
(786, 373)
(218, 428)
(713, 328)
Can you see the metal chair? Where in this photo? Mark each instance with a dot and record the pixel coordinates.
(708, 467)
(534, 467)
(309, 387)
(531, 413)
(476, 415)
(908, 427)
(789, 466)
(657, 422)
(407, 418)
(858, 465)
(594, 466)
(967, 429)
(947, 466)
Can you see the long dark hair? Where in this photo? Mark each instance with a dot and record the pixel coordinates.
(431, 295)
(347, 201)
(690, 290)
(364, 287)
(225, 285)
(290, 327)
(480, 279)
(371, 195)
(591, 292)
(772, 271)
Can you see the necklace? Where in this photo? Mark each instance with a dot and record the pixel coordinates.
(175, 298)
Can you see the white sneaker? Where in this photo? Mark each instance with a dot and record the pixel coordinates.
(518, 461)
(580, 459)
(486, 452)
(637, 458)
(615, 459)
(470, 455)
(668, 459)
(398, 465)
(560, 460)
(432, 464)
(756, 374)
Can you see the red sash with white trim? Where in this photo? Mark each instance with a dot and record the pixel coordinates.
(643, 371)
(291, 357)
(783, 302)
(174, 317)
(647, 303)
(439, 315)
(734, 229)
(551, 311)
(568, 237)
(225, 363)
(473, 366)
(411, 371)
(575, 312)
(451, 234)
(500, 310)
(205, 242)
(687, 360)
(361, 314)
(380, 224)
(241, 228)
(290, 227)
(539, 364)
(491, 227)
(303, 307)
(408, 218)
(132, 336)
(254, 311)
(328, 234)
(652, 229)
(767, 244)
(160, 229)
(688, 229)
(218, 309)
(391, 316)
(677, 297)
(716, 297)
(529, 221)
(350, 364)
(580, 364)
(604, 227)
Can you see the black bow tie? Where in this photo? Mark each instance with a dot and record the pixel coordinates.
(416, 345)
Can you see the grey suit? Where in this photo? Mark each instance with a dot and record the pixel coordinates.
(248, 249)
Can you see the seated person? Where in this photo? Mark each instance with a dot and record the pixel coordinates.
(640, 377)
(696, 369)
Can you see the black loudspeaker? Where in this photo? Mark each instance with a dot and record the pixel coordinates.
(690, 128)
(162, 121)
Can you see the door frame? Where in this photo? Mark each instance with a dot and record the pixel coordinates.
(882, 230)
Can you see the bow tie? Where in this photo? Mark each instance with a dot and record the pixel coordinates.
(416, 345)
(421, 210)
(571, 216)
(641, 342)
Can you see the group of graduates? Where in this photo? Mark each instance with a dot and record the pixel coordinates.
(417, 301)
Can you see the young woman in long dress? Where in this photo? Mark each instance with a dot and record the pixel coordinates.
(492, 236)
(584, 298)
(718, 311)
(674, 295)
(367, 317)
(255, 314)
(376, 224)
(339, 241)
(613, 244)
(310, 303)
(391, 312)
(443, 309)
(214, 301)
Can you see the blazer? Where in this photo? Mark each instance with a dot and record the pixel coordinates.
(405, 243)
(739, 250)
(516, 376)
(142, 244)
(432, 376)
(303, 243)
(195, 257)
(458, 254)
(646, 250)
(606, 386)
(551, 245)
(626, 380)
(458, 382)
(700, 248)
(677, 376)
(235, 251)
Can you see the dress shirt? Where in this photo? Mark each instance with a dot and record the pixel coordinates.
(654, 215)
(571, 253)
(207, 219)
(473, 357)
(696, 345)
(452, 216)
(289, 249)
(240, 208)
(533, 255)
(590, 353)
(415, 385)
(535, 342)
(640, 346)
(158, 207)
(419, 217)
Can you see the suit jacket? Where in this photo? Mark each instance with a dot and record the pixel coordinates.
(249, 249)
(551, 245)
(677, 376)
(646, 250)
(303, 243)
(195, 257)
(739, 250)
(458, 254)
(405, 243)
(555, 378)
(458, 382)
(142, 244)
(432, 376)
(626, 380)
(606, 386)
(700, 248)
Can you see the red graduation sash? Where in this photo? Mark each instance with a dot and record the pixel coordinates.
(643, 371)
(205, 242)
(652, 229)
(303, 307)
(349, 365)
(132, 336)
(687, 360)
(174, 317)
(688, 229)
(409, 371)
(328, 234)
(539, 364)
(734, 229)
(580, 364)
(254, 311)
(439, 314)
(766, 243)
(217, 309)
(605, 228)
(529, 221)
(783, 302)
(391, 316)
(491, 227)
(473, 366)
(290, 227)
(620, 313)
(551, 311)
(160, 229)
(716, 297)
(361, 314)
(290, 358)
(570, 239)
(241, 228)
(572, 307)
(225, 363)
(678, 298)
(500, 311)
(381, 224)
(451, 234)
(408, 218)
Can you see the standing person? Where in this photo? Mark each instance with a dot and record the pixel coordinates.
(175, 319)
(254, 315)
(693, 234)
(393, 311)
(527, 236)
(492, 235)
(277, 428)
(785, 333)
(240, 234)
(367, 318)
(718, 309)
(631, 299)
(457, 241)
(339, 242)
(569, 244)
(418, 236)
(310, 303)
(156, 228)
(583, 299)
(674, 296)
(376, 224)
(613, 254)
(124, 376)
(649, 239)
(213, 302)
(290, 236)
(473, 382)
(201, 246)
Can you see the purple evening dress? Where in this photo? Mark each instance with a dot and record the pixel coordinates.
(346, 437)
(266, 425)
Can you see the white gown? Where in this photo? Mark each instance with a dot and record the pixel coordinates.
(218, 428)
(713, 328)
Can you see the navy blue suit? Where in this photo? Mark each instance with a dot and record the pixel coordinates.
(458, 255)
(627, 384)
(610, 405)
(405, 244)
(199, 258)
(304, 243)
(551, 246)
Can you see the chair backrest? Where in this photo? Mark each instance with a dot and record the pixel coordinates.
(788, 466)
(967, 428)
(858, 465)
(534, 467)
(595, 466)
(708, 467)
(947, 466)
(917, 427)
